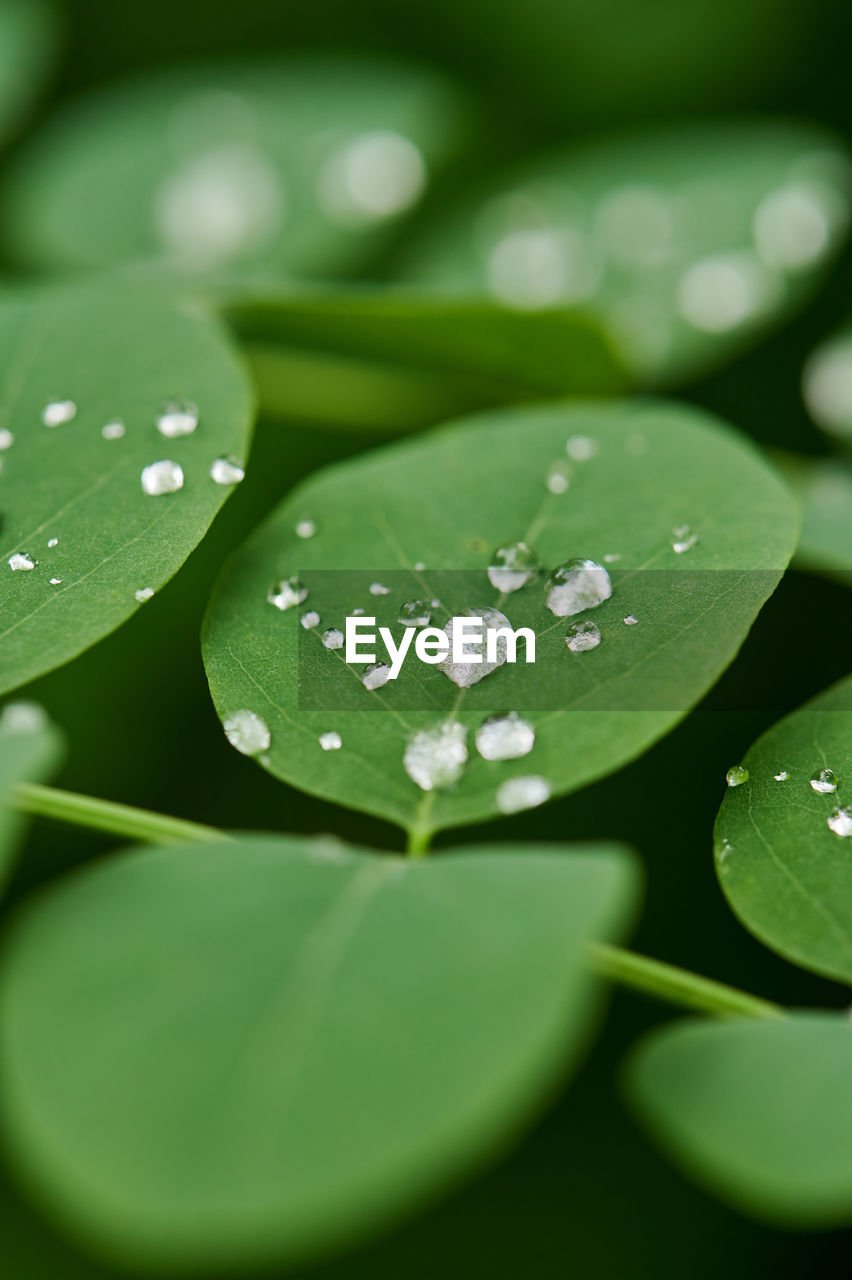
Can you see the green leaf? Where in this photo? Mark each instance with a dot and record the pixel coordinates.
(687, 241)
(30, 748)
(759, 1112)
(27, 38)
(305, 165)
(786, 874)
(114, 351)
(827, 385)
(253, 1051)
(447, 501)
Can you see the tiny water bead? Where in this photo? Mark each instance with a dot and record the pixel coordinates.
(435, 758)
(6, 439)
(630, 621)
(516, 794)
(177, 417)
(227, 471)
(612, 557)
(162, 477)
(736, 775)
(415, 613)
(113, 430)
(419, 566)
(373, 176)
(576, 585)
(333, 638)
(375, 675)
(582, 636)
(310, 619)
(305, 529)
(824, 782)
(781, 777)
(23, 717)
(683, 539)
(581, 448)
(722, 850)
(377, 589)
(58, 412)
(512, 566)
(505, 737)
(330, 741)
(287, 593)
(558, 478)
(55, 582)
(465, 674)
(53, 542)
(840, 820)
(246, 731)
(21, 560)
(143, 594)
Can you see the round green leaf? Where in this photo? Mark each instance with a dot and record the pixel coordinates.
(759, 1112)
(253, 1051)
(72, 501)
(27, 38)
(304, 164)
(446, 502)
(688, 241)
(30, 748)
(786, 872)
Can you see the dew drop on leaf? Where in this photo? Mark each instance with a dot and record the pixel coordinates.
(576, 585)
(516, 794)
(310, 619)
(824, 782)
(782, 776)
(375, 675)
(21, 560)
(840, 820)
(287, 593)
(113, 430)
(53, 542)
(330, 741)
(512, 566)
(227, 471)
(177, 417)
(736, 775)
(333, 638)
(465, 674)
(143, 594)
(505, 737)
(6, 439)
(581, 448)
(415, 613)
(683, 539)
(582, 636)
(246, 731)
(376, 589)
(57, 412)
(162, 477)
(435, 758)
(630, 620)
(305, 529)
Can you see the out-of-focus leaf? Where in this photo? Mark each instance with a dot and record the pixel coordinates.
(30, 748)
(27, 39)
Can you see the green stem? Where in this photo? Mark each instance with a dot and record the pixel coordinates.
(679, 986)
(420, 833)
(104, 815)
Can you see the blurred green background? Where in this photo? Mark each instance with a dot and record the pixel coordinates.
(584, 1194)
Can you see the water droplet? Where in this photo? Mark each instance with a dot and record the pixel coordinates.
(247, 732)
(21, 560)
(612, 557)
(558, 478)
(415, 613)
(465, 674)
(23, 717)
(6, 439)
(512, 566)
(576, 585)
(840, 820)
(683, 539)
(287, 593)
(630, 620)
(53, 542)
(827, 386)
(162, 477)
(143, 594)
(113, 430)
(722, 849)
(227, 471)
(419, 566)
(736, 775)
(516, 794)
(376, 589)
(434, 758)
(330, 741)
(358, 613)
(505, 737)
(377, 674)
(581, 448)
(538, 267)
(722, 292)
(375, 175)
(333, 639)
(791, 228)
(58, 412)
(55, 582)
(310, 619)
(782, 776)
(177, 417)
(824, 782)
(305, 529)
(582, 636)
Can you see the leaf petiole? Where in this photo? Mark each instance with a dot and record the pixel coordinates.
(678, 986)
(106, 815)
